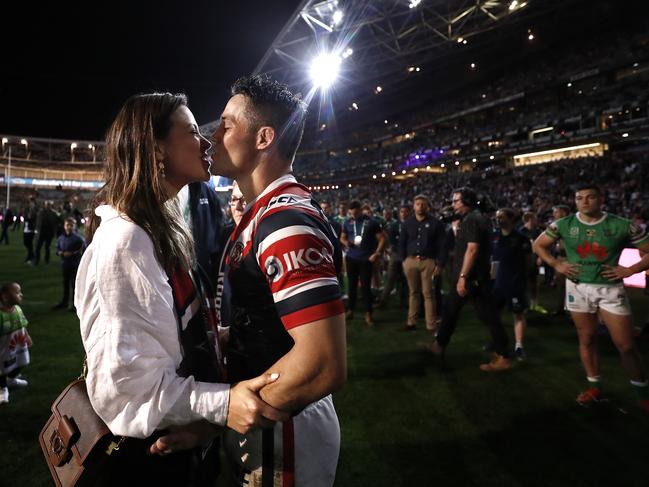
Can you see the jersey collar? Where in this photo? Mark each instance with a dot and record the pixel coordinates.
(604, 215)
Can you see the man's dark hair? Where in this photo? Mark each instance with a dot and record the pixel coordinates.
(274, 105)
(355, 204)
(528, 215)
(585, 185)
(564, 208)
(510, 212)
(469, 198)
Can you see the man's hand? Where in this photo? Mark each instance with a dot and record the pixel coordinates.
(247, 410)
(461, 287)
(616, 273)
(437, 270)
(184, 437)
(571, 271)
(373, 257)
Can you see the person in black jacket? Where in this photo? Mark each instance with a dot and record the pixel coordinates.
(422, 244)
(471, 280)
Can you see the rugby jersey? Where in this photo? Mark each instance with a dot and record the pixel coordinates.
(283, 261)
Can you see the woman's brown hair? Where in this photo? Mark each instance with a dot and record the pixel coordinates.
(134, 181)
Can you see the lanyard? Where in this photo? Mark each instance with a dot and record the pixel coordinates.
(362, 228)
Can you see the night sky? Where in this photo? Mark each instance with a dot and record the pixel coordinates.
(66, 67)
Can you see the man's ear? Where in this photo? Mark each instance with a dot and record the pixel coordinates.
(265, 137)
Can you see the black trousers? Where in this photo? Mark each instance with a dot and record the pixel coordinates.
(5, 234)
(43, 240)
(359, 269)
(481, 296)
(28, 242)
(69, 276)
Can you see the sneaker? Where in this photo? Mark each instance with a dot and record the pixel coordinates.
(408, 327)
(16, 382)
(539, 309)
(369, 321)
(520, 354)
(434, 348)
(589, 396)
(498, 364)
(349, 314)
(4, 395)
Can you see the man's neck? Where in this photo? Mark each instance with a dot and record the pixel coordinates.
(252, 185)
(505, 231)
(421, 217)
(591, 218)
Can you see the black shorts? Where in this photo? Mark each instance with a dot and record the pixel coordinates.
(516, 302)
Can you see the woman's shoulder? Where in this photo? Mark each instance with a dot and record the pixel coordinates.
(118, 231)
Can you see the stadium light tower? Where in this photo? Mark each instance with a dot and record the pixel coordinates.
(324, 70)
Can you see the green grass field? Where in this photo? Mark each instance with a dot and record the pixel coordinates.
(405, 421)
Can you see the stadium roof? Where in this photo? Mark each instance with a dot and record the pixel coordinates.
(388, 43)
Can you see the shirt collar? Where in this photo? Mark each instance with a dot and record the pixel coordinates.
(286, 178)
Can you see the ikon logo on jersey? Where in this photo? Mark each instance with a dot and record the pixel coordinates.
(594, 248)
(295, 260)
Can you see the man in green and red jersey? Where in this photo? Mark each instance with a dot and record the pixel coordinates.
(593, 241)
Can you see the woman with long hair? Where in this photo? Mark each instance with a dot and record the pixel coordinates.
(153, 361)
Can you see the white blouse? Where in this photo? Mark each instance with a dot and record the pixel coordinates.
(131, 337)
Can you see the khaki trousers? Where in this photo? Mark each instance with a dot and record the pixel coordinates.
(419, 274)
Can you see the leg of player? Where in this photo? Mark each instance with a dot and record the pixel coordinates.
(586, 326)
(620, 328)
(519, 334)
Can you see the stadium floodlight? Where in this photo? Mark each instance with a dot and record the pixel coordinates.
(73, 145)
(338, 16)
(24, 142)
(441, 165)
(403, 171)
(324, 70)
(513, 5)
(460, 40)
(625, 135)
(414, 3)
(4, 140)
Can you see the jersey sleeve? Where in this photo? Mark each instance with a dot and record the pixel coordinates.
(554, 230)
(637, 235)
(296, 255)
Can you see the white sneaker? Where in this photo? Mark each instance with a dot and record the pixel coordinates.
(16, 382)
(4, 395)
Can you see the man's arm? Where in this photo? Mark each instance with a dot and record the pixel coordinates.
(615, 273)
(470, 256)
(343, 237)
(314, 367)
(542, 246)
(380, 237)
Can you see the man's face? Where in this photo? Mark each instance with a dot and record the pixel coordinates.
(458, 206)
(342, 210)
(326, 209)
(235, 153)
(355, 212)
(558, 213)
(404, 213)
(588, 201)
(421, 207)
(237, 204)
(367, 211)
(503, 220)
(68, 227)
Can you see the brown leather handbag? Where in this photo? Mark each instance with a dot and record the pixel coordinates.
(76, 443)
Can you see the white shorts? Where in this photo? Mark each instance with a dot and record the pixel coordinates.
(302, 451)
(588, 298)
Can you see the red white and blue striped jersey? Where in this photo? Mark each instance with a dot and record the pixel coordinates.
(283, 261)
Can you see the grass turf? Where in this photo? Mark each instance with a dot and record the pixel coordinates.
(405, 420)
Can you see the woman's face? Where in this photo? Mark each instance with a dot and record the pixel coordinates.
(185, 151)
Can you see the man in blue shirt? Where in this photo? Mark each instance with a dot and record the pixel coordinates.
(69, 247)
(512, 252)
(363, 240)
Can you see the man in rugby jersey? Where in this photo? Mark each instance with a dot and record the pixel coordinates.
(287, 314)
(594, 240)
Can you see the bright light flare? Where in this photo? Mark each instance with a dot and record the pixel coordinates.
(338, 17)
(324, 70)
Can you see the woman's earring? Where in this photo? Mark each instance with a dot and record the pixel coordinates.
(161, 169)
